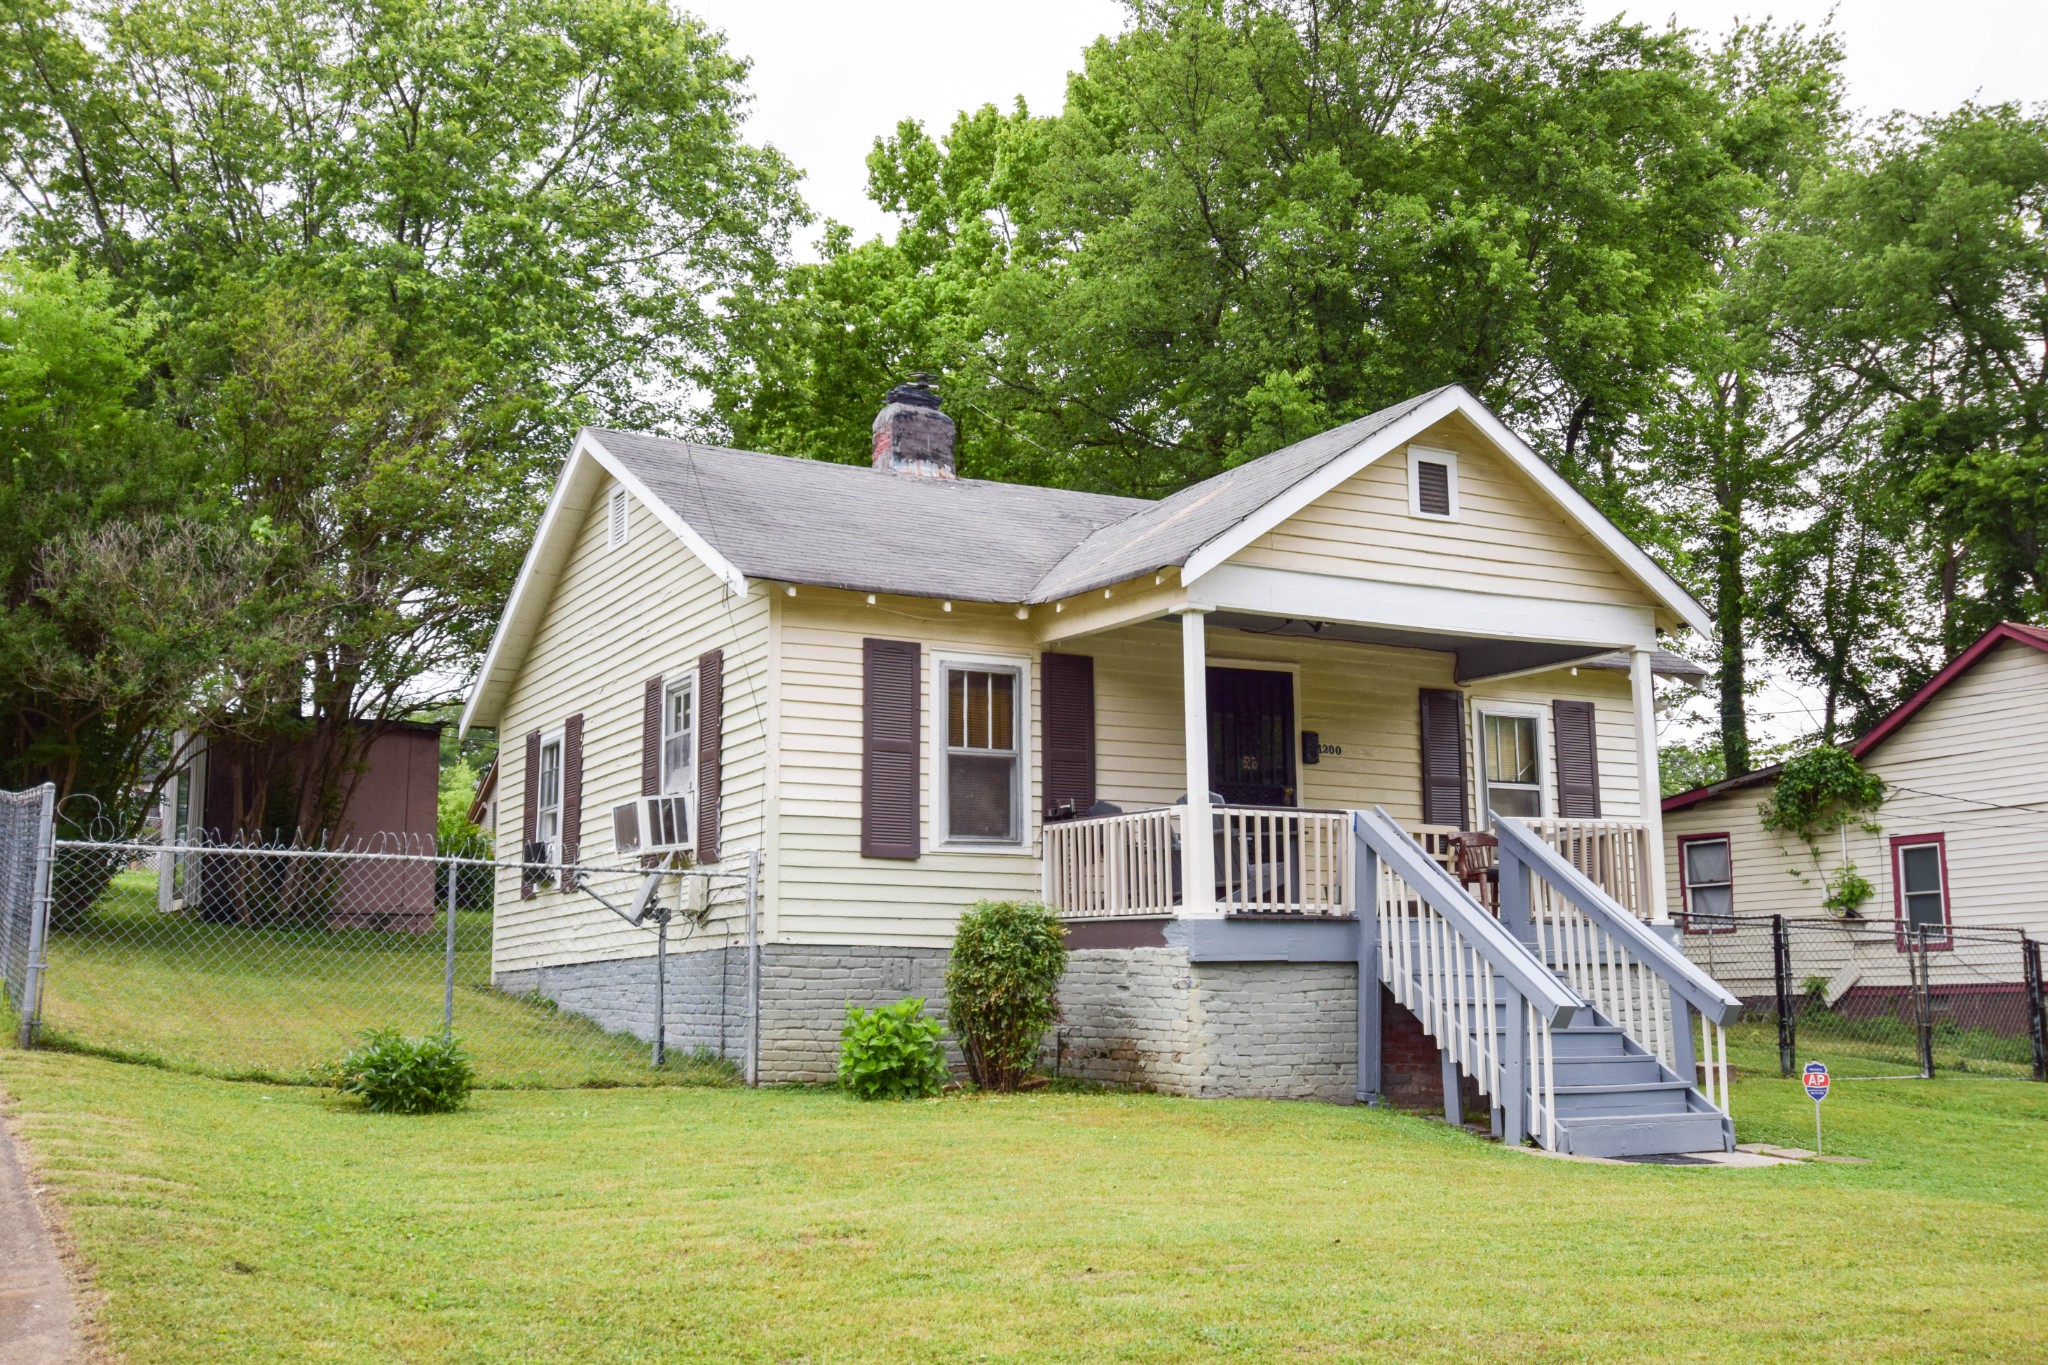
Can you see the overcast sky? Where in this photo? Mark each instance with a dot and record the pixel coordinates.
(831, 75)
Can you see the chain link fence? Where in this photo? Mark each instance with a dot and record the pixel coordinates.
(1875, 1000)
(268, 963)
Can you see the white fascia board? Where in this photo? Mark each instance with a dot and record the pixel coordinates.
(727, 572)
(552, 542)
(1456, 400)
(1411, 606)
(1388, 438)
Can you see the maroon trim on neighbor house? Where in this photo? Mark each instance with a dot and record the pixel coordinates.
(2033, 637)
(710, 745)
(486, 788)
(1934, 945)
(1685, 892)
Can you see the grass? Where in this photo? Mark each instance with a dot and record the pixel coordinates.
(277, 1001)
(272, 1224)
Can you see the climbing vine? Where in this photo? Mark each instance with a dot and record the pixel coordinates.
(1817, 793)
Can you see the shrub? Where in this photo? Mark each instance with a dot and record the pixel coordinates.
(1002, 987)
(1820, 791)
(891, 1053)
(393, 1074)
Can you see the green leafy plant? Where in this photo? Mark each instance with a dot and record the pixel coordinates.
(393, 1074)
(1847, 890)
(1002, 987)
(891, 1052)
(1813, 995)
(1819, 792)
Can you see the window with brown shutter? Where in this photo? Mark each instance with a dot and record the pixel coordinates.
(530, 869)
(1443, 758)
(1578, 760)
(1067, 698)
(889, 749)
(572, 797)
(710, 715)
(650, 749)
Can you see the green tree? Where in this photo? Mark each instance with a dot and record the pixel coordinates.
(401, 250)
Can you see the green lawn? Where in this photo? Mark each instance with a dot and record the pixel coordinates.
(276, 1001)
(265, 1223)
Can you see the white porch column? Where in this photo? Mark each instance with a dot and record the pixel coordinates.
(1197, 843)
(1650, 789)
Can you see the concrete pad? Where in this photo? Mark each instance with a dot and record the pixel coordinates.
(1766, 1149)
(36, 1319)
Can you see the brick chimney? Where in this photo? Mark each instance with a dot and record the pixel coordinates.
(911, 435)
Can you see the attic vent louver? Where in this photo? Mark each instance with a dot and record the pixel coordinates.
(912, 436)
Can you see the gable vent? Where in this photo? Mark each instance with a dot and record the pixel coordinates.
(1432, 487)
(615, 518)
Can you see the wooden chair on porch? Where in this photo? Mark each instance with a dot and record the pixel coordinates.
(1475, 862)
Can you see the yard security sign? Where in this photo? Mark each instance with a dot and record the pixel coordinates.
(1816, 1082)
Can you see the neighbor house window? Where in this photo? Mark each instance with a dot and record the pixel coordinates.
(547, 819)
(1706, 883)
(1510, 764)
(615, 518)
(983, 767)
(1432, 482)
(1920, 881)
(679, 738)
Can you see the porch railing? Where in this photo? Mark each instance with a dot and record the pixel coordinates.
(1115, 865)
(1286, 861)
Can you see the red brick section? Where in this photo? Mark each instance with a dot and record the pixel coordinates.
(1411, 1065)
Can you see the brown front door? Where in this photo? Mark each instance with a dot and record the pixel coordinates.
(1251, 736)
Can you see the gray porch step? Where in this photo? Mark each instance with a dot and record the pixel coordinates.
(1640, 1097)
(1629, 1069)
(1641, 1134)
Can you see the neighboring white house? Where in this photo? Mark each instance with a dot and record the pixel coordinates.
(910, 692)
(1962, 836)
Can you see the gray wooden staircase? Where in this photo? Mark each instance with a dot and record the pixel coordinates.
(1579, 1023)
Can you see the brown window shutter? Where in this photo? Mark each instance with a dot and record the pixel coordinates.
(890, 693)
(1578, 760)
(1067, 718)
(529, 818)
(650, 750)
(710, 724)
(572, 797)
(1443, 758)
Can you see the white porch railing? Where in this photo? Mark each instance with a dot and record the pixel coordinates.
(1115, 865)
(1279, 860)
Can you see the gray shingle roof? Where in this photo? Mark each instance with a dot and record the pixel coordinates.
(849, 526)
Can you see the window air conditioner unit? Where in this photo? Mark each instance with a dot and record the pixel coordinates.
(653, 824)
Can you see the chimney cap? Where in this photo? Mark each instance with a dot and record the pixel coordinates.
(917, 391)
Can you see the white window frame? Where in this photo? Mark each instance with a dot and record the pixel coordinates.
(937, 751)
(683, 684)
(618, 511)
(541, 811)
(1481, 709)
(1449, 460)
(1685, 843)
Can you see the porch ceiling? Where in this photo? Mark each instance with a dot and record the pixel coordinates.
(1478, 658)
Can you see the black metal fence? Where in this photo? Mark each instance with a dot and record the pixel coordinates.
(1876, 1000)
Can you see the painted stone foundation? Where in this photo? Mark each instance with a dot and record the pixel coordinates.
(1140, 1018)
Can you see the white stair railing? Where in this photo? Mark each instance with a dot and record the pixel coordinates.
(1614, 961)
(1476, 989)
(1117, 865)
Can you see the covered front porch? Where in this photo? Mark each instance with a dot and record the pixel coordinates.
(1220, 714)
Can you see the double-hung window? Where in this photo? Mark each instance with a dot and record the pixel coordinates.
(547, 804)
(1511, 767)
(1920, 872)
(983, 753)
(1706, 871)
(679, 740)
